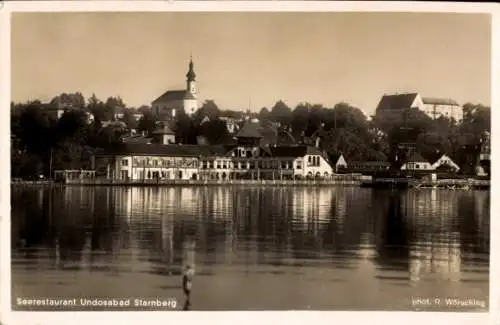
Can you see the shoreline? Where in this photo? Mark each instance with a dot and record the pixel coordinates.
(195, 183)
(356, 182)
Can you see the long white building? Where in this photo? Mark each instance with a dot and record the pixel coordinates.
(248, 158)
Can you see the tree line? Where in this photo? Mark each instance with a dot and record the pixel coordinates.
(41, 142)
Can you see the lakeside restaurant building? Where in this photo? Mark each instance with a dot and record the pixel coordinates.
(248, 158)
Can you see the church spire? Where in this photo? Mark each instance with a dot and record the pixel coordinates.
(191, 76)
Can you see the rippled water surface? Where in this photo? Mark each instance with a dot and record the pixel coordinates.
(254, 248)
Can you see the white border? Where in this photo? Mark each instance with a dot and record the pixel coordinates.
(8, 318)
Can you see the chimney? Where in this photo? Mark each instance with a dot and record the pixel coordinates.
(317, 142)
(173, 112)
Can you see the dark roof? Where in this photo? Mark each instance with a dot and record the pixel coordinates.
(172, 95)
(439, 101)
(250, 130)
(175, 150)
(397, 101)
(294, 151)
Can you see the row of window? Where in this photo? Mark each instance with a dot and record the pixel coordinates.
(151, 175)
(251, 164)
(313, 161)
(159, 162)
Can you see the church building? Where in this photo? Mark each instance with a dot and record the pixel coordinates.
(165, 107)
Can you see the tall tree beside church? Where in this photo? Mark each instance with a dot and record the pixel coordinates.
(147, 123)
(185, 130)
(215, 131)
(208, 109)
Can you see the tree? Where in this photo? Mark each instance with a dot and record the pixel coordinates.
(185, 130)
(97, 108)
(113, 106)
(69, 100)
(129, 119)
(215, 131)
(264, 114)
(281, 113)
(208, 109)
(300, 119)
(147, 123)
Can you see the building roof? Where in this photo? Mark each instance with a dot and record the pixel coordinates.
(173, 95)
(439, 101)
(250, 130)
(294, 151)
(154, 149)
(397, 101)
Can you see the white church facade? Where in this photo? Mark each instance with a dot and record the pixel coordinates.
(165, 107)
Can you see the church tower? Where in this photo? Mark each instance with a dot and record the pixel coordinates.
(191, 78)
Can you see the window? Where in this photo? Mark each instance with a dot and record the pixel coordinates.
(224, 164)
(155, 162)
(124, 174)
(218, 165)
(124, 162)
(299, 164)
(283, 164)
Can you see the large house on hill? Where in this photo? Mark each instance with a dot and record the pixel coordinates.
(165, 107)
(395, 105)
(250, 157)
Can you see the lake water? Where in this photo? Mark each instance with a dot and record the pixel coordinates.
(253, 248)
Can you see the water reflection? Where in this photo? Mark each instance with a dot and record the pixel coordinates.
(278, 244)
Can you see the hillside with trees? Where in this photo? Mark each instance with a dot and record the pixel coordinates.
(41, 143)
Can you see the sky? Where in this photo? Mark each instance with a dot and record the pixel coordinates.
(250, 60)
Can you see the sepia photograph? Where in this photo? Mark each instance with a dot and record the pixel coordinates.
(250, 161)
